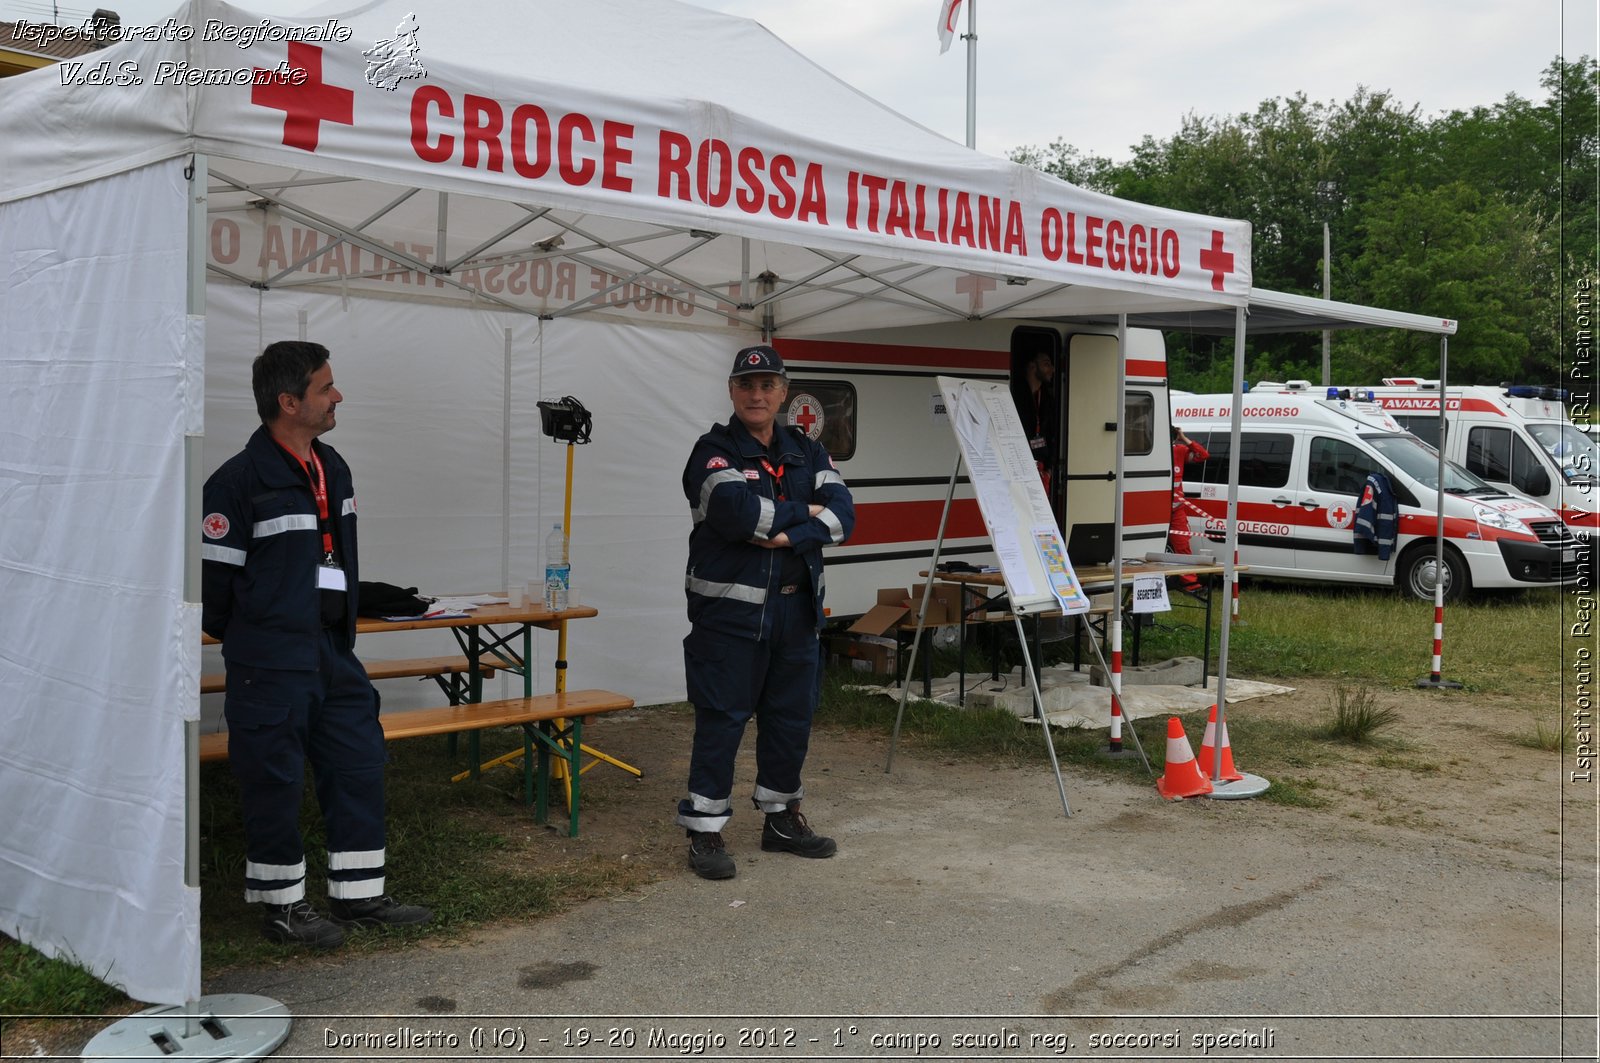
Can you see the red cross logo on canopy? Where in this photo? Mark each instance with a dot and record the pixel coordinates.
(1216, 260)
(305, 106)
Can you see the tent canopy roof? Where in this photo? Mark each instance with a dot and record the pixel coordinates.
(669, 151)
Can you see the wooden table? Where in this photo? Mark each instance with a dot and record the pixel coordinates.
(475, 633)
(1098, 579)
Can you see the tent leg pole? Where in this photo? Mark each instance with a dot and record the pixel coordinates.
(922, 613)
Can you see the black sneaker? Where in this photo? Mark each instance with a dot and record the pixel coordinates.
(377, 911)
(301, 924)
(708, 856)
(788, 832)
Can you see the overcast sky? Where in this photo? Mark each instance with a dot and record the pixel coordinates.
(1103, 75)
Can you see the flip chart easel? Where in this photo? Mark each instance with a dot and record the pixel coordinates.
(1039, 578)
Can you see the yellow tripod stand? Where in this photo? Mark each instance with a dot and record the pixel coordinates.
(559, 766)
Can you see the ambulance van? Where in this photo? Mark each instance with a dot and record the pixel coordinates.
(871, 398)
(1303, 468)
(1514, 436)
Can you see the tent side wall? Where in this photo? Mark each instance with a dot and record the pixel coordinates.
(456, 486)
(98, 650)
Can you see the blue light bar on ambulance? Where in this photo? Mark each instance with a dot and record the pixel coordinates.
(1534, 391)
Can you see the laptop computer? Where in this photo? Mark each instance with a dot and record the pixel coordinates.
(1091, 544)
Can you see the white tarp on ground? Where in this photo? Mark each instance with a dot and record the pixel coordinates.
(637, 161)
(97, 667)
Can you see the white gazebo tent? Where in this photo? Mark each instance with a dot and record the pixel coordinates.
(473, 207)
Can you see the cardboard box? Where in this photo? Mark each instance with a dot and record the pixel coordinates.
(865, 653)
(893, 604)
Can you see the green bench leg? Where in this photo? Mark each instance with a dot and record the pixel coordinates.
(550, 742)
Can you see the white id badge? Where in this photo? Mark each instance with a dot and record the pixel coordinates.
(330, 578)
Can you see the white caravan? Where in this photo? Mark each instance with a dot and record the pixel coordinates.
(871, 399)
(1303, 467)
(1515, 436)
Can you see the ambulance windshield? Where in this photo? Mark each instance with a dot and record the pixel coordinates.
(1575, 454)
(1421, 462)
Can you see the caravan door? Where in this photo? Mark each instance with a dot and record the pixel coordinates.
(1089, 430)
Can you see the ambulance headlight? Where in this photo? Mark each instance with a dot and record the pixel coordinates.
(1493, 518)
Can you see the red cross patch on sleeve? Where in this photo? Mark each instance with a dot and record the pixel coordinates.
(718, 462)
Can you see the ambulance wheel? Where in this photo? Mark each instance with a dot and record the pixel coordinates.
(1417, 573)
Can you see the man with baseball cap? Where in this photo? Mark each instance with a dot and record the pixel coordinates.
(765, 499)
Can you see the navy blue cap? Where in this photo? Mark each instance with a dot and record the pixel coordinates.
(758, 359)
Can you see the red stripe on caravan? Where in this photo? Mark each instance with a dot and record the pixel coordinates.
(1147, 367)
(846, 353)
(878, 523)
(1146, 507)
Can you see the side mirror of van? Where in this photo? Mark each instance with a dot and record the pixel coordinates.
(1536, 483)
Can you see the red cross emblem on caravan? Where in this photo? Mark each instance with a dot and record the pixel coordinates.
(1216, 260)
(806, 417)
(308, 105)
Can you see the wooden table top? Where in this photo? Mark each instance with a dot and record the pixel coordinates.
(1100, 575)
(533, 613)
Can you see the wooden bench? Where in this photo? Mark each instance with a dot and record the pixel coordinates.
(553, 722)
(443, 669)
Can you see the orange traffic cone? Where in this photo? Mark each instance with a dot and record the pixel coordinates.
(1208, 751)
(1182, 777)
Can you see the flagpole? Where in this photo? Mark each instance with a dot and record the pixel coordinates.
(972, 73)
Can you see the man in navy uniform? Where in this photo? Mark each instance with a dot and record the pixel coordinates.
(765, 500)
(279, 591)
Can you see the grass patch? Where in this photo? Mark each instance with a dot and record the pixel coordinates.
(1546, 737)
(457, 848)
(1357, 716)
(1506, 643)
(33, 984)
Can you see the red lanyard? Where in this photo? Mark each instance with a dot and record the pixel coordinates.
(777, 477)
(319, 491)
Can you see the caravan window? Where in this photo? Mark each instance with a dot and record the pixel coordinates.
(826, 409)
(1139, 422)
(1263, 459)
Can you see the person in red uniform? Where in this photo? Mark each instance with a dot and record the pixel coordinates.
(1184, 450)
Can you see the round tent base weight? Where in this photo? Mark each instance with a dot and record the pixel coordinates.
(1249, 786)
(1429, 682)
(223, 1026)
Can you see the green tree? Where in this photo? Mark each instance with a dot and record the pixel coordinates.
(1477, 215)
(1460, 253)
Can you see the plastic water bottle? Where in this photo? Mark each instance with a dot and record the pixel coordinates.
(557, 569)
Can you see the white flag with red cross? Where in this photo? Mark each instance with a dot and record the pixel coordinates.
(949, 11)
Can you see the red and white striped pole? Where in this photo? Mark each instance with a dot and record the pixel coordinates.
(1235, 601)
(1441, 567)
(1115, 623)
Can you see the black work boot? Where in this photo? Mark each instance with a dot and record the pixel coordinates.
(377, 911)
(788, 832)
(708, 856)
(300, 924)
